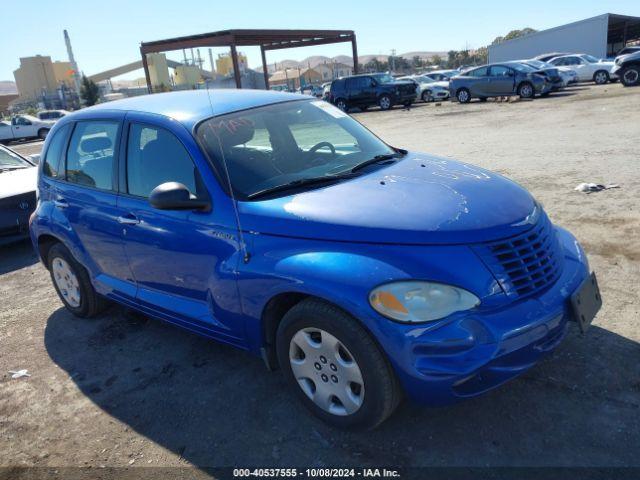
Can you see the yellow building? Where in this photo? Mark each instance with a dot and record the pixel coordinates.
(224, 63)
(34, 76)
(63, 73)
(291, 77)
(158, 71)
(187, 75)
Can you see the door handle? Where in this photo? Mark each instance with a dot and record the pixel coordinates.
(61, 203)
(128, 220)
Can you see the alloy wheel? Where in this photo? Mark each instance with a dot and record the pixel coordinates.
(463, 96)
(326, 371)
(385, 103)
(601, 77)
(630, 77)
(526, 91)
(66, 281)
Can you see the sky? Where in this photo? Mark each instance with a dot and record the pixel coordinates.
(106, 34)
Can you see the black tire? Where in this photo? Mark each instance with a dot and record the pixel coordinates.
(385, 102)
(364, 108)
(91, 304)
(42, 133)
(601, 77)
(382, 392)
(342, 104)
(463, 95)
(526, 90)
(426, 96)
(630, 75)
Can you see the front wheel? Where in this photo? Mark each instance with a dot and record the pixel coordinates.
(42, 133)
(525, 90)
(601, 77)
(426, 96)
(335, 367)
(342, 104)
(463, 95)
(385, 102)
(72, 283)
(630, 76)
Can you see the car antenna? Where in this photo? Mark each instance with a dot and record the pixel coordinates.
(246, 256)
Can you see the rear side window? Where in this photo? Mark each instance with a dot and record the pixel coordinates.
(55, 153)
(155, 156)
(90, 154)
(478, 72)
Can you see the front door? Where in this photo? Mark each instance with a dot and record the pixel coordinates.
(23, 128)
(183, 263)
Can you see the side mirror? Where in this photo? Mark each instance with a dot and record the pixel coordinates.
(175, 196)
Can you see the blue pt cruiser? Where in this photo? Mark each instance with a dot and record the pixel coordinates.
(280, 225)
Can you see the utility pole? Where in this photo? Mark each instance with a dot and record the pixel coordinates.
(392, 66)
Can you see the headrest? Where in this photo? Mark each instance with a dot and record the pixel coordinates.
(95, 144)
(234, 132)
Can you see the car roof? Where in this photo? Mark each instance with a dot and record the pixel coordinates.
(191, 106)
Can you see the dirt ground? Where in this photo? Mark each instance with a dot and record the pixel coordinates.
(120, 392)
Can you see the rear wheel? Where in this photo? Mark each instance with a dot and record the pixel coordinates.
(463, 95)
(601, 77)
(42, 133)
(335, 367)
(385, 102)
(525, 90)
(342, 104)
(72, 283)
(630, 76)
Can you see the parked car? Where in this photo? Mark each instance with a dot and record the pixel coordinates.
(555, 76)
(280, 225)
(428, 89)
(588, 67)
(18, 180)
(627, 68)
(364, 91)
(498, 80)
(545, 57)
(24, 127)
(326, 91)
(51, 114)
(311, 90)
(441, 75)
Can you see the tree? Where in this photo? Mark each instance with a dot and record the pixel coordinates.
(436, 60)
(89, 91)
(513, 34)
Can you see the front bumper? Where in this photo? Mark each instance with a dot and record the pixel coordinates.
(473, 352)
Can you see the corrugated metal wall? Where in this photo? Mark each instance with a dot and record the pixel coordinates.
(585, 36)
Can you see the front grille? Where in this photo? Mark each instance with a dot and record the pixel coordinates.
(527, 263)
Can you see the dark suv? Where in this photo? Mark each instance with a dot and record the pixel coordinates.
(363, 91)
(627, 68)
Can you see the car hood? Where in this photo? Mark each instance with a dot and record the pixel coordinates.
(16, 182)
(420, 199)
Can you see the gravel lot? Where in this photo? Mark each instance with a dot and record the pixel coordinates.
(118, 392)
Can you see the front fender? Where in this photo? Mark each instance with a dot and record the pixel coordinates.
(344, 273)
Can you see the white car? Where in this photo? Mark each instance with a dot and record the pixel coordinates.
(588, 68)
(428, 89)
(24, 126)
(52, 114)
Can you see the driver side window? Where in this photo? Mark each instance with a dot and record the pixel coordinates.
(155, 156)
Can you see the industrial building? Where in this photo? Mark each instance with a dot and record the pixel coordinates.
(602, 36)
(42, 82)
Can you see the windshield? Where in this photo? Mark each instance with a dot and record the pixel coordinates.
(281, 143)
(590, 59)
(9, 159)
(383, 78)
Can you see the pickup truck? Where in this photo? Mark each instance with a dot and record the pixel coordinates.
(23, 127)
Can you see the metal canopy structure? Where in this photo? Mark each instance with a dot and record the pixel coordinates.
(265, 39)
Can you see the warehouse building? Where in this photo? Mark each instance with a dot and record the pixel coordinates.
(602, 36)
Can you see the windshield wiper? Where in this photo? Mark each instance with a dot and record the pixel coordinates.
(301, 182)
(376, 159)
(13, 167)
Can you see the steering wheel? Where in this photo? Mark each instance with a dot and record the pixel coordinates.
(318, 146)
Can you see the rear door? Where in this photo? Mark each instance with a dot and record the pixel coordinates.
(85, 203)
(501, 80)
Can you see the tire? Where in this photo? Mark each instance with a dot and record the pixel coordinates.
(463, 95)
(384, 102)
(630, 76)
(83, 301)
(373, 394)
(342, 104)
(426, 96)
(526, 90)
(42, 133)
(364, 108)
(601, 77)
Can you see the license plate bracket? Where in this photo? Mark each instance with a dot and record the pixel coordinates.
(586, 301)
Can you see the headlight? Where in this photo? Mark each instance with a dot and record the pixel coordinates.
(415, 301)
